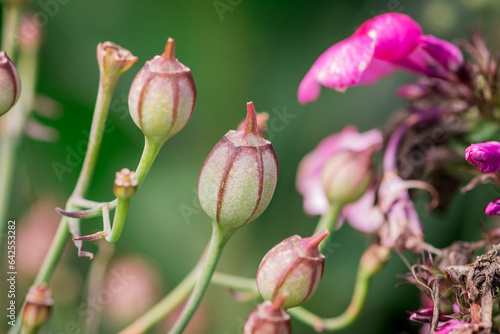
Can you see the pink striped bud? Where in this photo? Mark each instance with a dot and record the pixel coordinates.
(162, 96)
(238, 178)
(10, 84)
(293, 267)
(269, 318)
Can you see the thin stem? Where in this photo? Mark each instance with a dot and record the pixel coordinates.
(106, 87)
(234, 282)
(118, 220)
(11, 15)
(13, 123)
(219, 238)
(165, 306)
(307, 317)
(328, 222)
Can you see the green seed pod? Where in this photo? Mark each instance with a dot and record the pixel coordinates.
(162, 96)
(10, 84)
(238, 178)
(293, 267)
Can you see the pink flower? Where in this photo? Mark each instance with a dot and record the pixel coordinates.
(457, 327)
(309, 180)
(376, 49)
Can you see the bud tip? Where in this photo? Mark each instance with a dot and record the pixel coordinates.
(317, 238)
(251, 121)
(169, 53)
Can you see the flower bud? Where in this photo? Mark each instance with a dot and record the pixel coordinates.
(262, 118)
(493, 208)
(37, 307)
(238, 178)
(293, 267)
(113, 59)
(162, 96)
(125, 183)
(269, 318)
(10, 84)
(346, 176)
(485, 156)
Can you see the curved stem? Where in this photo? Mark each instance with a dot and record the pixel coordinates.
(217, 243)
(328, 222)
(118, 220)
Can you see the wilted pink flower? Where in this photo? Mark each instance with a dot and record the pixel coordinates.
(457, 327)
(376, 49)
(485, 156)
(309, 176)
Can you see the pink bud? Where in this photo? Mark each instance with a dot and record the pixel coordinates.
(269, 318)
(346, 176)
(36, 310)
(162, 96)
(485, 156)
(125, 183)
(238, 178)
(10, 84)
(292, 267)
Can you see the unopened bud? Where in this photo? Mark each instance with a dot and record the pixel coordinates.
(125, 183)
(162, 96)
(346, 176)
(485, 156)
(10, 84)
(238, 178)
(374, 259)
(269, 318)
(493, 208)
(293, 267)
(37, 308)
(113, 59)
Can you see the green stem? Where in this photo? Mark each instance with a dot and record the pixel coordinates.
(11, 15)
(358, 301)
(219, 238)
(12, 127)
(148, 157)
(165, 306)
(328, 222)
(106, 87)
(307, 317)
(234, 282)
(119, 219)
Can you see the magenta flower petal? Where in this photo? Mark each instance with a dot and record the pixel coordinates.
(309, 88)
(308, 174)
(343, 64)
(377, 70)
(396, 35)
(362, 215)
(485, 156)
(445, 53)
(493, 208)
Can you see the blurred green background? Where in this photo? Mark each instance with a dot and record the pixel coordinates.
(256, 51)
